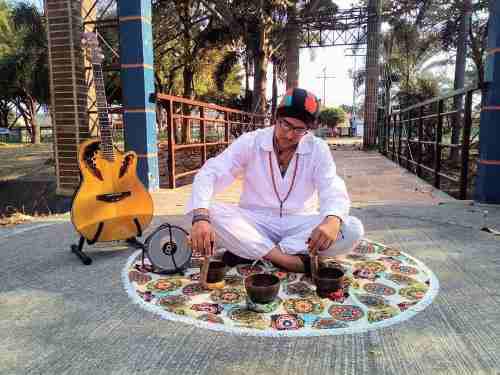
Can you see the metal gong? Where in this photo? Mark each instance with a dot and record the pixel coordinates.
(167, 248)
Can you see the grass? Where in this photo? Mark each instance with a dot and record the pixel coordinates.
(26, 161)
(14, 219)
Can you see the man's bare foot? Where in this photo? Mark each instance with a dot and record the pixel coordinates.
(291, 263)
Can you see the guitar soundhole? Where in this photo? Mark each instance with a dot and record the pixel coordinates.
(127, 160)
(89, 156)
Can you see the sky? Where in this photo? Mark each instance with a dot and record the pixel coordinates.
(332, 61)
(38, 3)
(315, 62)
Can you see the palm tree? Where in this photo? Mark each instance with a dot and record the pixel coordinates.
(293, 34)
(254, 23)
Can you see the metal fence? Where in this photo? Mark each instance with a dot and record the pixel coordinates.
(437, 139)
(190, 131)
(21, 135)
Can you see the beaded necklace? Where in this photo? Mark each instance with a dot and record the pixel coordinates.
(274, 182)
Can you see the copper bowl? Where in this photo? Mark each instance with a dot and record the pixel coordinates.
(216, 271)
(328, 280)
(262, 287)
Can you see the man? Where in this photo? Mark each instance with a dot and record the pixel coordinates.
(283, 167)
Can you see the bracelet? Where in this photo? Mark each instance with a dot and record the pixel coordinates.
(340, 220)
(200, 217)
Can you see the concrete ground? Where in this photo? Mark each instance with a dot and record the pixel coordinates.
(60, 317)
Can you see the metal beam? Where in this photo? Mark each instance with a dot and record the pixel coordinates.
(346, 27)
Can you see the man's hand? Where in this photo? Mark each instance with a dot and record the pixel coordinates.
(203, 238)
(324, 235)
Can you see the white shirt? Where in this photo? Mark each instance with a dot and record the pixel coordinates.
(248, 157)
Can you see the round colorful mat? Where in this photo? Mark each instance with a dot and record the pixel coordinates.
(383, 286)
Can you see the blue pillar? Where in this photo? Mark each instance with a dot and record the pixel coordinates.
(488, 168)
(137, 80)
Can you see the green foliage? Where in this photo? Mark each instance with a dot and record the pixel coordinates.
(24, 65)
(8, 36)
(418, 90)
(224, 68)
(193, 52)
(260, 27)
(332, 116)
(23, 62)
(346, 108)
(421, 30)
(215, 83)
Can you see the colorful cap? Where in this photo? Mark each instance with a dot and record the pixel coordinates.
(300, 104)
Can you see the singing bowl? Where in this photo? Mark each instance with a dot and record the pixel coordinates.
(262, 287)
(216, 271)
(328, 280)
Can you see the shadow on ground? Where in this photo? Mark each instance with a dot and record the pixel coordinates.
(31, 198)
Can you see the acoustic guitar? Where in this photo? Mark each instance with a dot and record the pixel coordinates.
(111, 202)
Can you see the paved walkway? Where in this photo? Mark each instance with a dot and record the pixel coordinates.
(370, 178)
(60, 317)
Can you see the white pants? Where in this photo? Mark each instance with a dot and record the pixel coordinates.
(252, 235)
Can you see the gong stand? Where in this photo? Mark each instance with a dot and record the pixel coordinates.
(78, 249)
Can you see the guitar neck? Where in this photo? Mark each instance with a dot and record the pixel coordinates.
(105, 129)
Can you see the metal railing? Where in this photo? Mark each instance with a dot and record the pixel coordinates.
(199, 130)
(437, 141)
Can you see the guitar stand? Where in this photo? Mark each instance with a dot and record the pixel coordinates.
(78, 249)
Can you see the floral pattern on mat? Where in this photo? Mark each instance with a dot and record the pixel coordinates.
(382, 286)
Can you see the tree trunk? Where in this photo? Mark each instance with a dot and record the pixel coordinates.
(292, 49)
(36, 133)
(247, 73)
(387, 109)
(27, 125)
(478, 46)
(261, 62)
(188, 75)
(247, 85)
(28, 112)
(4, 118)
(460, 78)
(372, 75)
(274, 101)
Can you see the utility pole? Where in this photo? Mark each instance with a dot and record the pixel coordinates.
(324, 77)
(354, 88)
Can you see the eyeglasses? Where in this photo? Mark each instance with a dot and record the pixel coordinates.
(289, 127)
